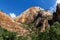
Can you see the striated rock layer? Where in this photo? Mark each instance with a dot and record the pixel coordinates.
(32, 14)
(35, 15)
(9, 24)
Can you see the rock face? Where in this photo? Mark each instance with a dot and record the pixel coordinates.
(58, 12)
(56, 15)
(35, 15)
(9, 24)
(32, 14)
(28, 15)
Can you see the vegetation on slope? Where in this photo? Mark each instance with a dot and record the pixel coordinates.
(50, 34)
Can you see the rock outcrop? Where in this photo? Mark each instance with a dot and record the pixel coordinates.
(32, 14)
(35, 15)
(58, 12)
(9, 24)
(56, 15)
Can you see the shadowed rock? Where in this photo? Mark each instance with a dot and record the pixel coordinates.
(58, 12)
(35, 15)
(56, 15)
(32, 14)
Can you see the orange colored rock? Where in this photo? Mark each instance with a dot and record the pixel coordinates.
(9, 24)
(31, 14)
(28, 15)
(35, 15)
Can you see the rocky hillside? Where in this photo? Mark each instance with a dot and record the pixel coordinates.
(33, 16)
(9, 24)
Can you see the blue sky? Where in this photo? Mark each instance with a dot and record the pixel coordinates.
(18, 6)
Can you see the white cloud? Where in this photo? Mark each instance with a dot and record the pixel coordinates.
(12, 15)
(53, 8)
(58, 1)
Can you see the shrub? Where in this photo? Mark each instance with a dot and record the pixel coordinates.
(53, 34)
(50, 34)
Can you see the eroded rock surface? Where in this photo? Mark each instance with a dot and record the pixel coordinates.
(9, 24)
(35, 15)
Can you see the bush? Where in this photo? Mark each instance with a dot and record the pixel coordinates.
(53, 34)
(50, 34)
(6, 35)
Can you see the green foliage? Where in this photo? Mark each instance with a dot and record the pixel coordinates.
(21, 38)
(52, 33)
(55, 31)
(6, 35)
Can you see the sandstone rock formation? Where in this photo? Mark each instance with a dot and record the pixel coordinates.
(31, 14)
(9, 24)
(35, 15)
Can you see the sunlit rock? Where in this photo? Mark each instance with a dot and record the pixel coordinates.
(9, 24)
(35, 15)
(31, 14)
